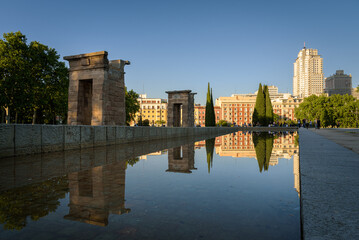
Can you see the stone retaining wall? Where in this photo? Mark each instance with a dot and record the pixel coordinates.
(18, 139)
(265, 129)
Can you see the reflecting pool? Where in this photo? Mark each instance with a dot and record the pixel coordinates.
(236, 186)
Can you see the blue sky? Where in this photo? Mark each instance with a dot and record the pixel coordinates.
(174, 45)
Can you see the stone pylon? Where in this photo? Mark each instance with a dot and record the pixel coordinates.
(96, 90)
(180, 108)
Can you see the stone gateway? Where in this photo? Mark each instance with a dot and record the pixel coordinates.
(96, 90)
(180, 108)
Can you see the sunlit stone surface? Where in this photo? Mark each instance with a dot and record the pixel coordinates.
(96, 90)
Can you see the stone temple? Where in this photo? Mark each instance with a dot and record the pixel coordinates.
(180, 108)
(96, 90)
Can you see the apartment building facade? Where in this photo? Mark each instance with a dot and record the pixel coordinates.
(200, 114)
(239, 107)
(153, 109)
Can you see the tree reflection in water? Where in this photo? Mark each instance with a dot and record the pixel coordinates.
(34, 201)
(209, 151)
(263, 144)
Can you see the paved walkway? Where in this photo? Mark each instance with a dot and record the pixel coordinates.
(329, 185)
(348, 138)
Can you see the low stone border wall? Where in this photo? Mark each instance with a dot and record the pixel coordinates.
(18, 139)
(264, 129)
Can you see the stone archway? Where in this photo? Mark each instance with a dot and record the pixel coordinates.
(96, 90)
(180, 108)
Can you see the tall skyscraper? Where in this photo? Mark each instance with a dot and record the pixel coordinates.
(308, 73)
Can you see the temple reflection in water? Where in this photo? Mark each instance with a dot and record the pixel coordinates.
(96, 193)
(96, 179)
(181, 159)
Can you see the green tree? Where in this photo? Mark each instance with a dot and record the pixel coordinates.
(276, 117)
(132, 105)
(336, 110)
(259, 113)
(139, 121)
(33, 83)
(269, 108)
(213, 112)
(209, 151)
(146, 123)
(210, 120)
(50, 89)
(15, 90)
(222, 123)
(160, 122)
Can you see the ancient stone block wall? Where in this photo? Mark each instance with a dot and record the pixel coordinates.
(185, 100)
(96, 90)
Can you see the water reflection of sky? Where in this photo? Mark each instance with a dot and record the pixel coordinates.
(155, 199)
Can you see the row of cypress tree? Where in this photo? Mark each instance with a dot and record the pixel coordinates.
(263, 110)
(210, 118)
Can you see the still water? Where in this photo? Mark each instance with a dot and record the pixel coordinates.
(236, 186)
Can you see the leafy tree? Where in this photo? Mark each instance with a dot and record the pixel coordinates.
(139, 121)
(336, 110)
(33, 83)
(51, 82)
(269, 108)
(132, 105)
(160, 122)
(146, 122)
(259, 113)
(209, 151)
(210, 119)
(222, 123)
(290, 122)
(14, 85)
(276, 117)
